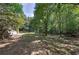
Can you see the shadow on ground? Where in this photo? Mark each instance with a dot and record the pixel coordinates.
(26, 45)
(30, 44)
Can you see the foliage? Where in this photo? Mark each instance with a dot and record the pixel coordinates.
(11, 16)
(56, 18)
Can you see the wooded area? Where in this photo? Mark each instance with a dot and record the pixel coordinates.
(53, 30)
(56, 18)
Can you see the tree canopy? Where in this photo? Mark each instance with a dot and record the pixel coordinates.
(11, 16)
(56, 18)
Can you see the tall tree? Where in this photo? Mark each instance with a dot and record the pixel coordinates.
(64, 17)
(11, 16)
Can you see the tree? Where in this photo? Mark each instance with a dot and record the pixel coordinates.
(42, 12)
(58, 17)
(11, 16)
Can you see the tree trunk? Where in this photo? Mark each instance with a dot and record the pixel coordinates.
(46, 28)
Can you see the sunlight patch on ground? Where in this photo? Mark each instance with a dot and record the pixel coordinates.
(41, 52)
(36, 36)
(36, 41)
(26, 33)
(3, 45)
(30, 33)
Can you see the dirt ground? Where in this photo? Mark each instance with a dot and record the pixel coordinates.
(30, 44)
